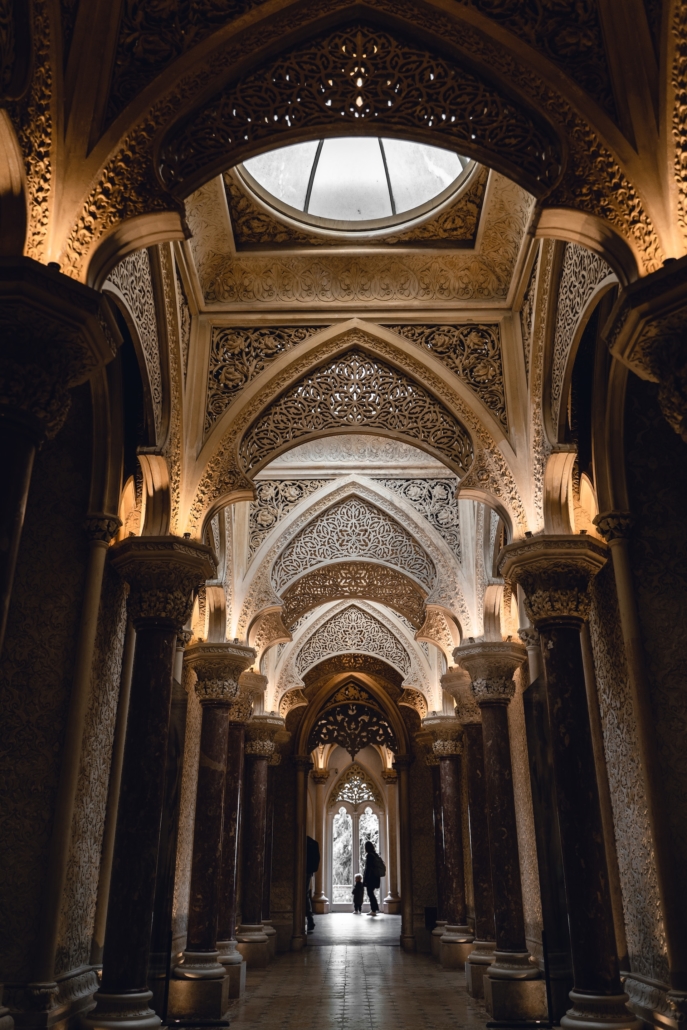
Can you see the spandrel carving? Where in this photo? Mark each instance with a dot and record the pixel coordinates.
(274, 499)
(435, 500)
(353, 630)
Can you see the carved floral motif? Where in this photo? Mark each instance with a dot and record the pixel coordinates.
(435, 500)
(290, 700)
(353, 529)
(527, 314)
(274, 499)
(414, 699)
(353, 727)
(353, 630)
(356, 787)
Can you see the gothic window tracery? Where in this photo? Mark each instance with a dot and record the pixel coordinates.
(355, 787)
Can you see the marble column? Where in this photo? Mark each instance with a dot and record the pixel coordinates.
(320, 901)
(554, 573)
(273, 764)
(233, 961)
(512, 986)
(402, 765)
(217, 667)
(55, 333)
(303, 766)
(162, 572)
(432, 762)
(392, 901)
(259, 748)
(457, 683)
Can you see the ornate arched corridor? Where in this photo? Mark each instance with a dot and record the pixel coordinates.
(342, 410)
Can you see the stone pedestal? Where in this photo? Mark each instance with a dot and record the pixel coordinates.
(435, 937)
(253, 944)
(515, 999)
(478, 962)
(198, 999)
(454, 947)
(554, 572)
(271, 935)
(163, 572)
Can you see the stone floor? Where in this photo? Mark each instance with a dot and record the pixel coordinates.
(347, 928)
(356, 986)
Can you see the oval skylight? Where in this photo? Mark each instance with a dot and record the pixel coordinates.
(359, 179)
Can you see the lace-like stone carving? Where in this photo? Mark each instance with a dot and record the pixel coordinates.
(414, 699)
(353, 630)
(354, 579)
(473, 353)
(290, 700)
(582, 272)
(353, 727)
(163, 572)
(238, 355)
(353, 74)
(133, 279)
(355, 787)
(444, 748)
(495, 689)
(357, 391)
(184, 323)
(527, 315)
(274, 500)
(358, 530)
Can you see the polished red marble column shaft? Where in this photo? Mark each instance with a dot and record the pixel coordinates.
(233, 799)
(479, 833)
(438, 837)
(254, 815)
(454, 871)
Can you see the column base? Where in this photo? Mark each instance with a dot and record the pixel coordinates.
(478, 962)
(435, 938)
(514, 999)
(253, 944)
(392, 904)
(234, 966)
(228, 955)
(298, 943)
(6, 1021)
(198, 999)
(513, 965)
(600, 1012)
(199, 965)
(320, 905)
(408, 943)
(271, 935)
(455, 946)
(119, 1011)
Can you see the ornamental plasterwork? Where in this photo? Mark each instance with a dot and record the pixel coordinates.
(490, 475)
(436, 630)
(132, 277)
(582, 272)
(527, 314)
(238, 354)
(471, 352)
(356, 786)
(353, 630)
(184, 322)
(385, 278)
(356, 390)
(274, 499)
(355, 529)
(540, 446)
(221, 472)
(449, 590)
(353, 727)
(177, 371)
(369, 455)
(435, 500)
(414, 699)
(290, 700)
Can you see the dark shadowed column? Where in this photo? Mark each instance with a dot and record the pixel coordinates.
(402, 765)
(433, 763)
(554, 573)
(303, 766)
(162, 572)
(217, 667)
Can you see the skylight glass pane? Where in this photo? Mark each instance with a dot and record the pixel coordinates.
(350, 181)
(285, 172)
(418, 172)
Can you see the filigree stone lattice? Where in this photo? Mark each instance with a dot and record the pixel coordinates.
(355, 787)
(527, 315)
(582, 272)
(357, 391)
(353, 528)
(414, 699)
(354, 579)
(274, 500)
(353, 630)
(184, 323)
(133, 279)
(238, 355)
(473, 353)
(359, 73)
(435, 499)
(290, 700)
(353, 727)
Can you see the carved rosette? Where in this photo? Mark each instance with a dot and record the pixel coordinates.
(491, 665)
(162, 572)
(56, 332)
(218, 667)
(529, 637)
(456, 682)
(555, 573)
(614, 525)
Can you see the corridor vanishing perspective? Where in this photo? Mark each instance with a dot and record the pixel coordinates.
(343, 379)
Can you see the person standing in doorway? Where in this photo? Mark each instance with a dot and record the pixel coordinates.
(358, 893)
(374, 871)
(312, 864)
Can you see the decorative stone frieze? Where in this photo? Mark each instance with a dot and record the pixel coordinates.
(554, 573)
(162, 573)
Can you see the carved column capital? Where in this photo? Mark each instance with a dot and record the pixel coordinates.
(456, 682)
(390, 776)
(162, 573)
(184, 638)
(101, 528)
(445, 733)
(554, 573)
(491, 664)
(218, 667)
(614, 525)
(263, 732)
(55, 333)
(320, 776)
(529, 637)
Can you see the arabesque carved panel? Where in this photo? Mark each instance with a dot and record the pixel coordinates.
(353, 727)
(357, 391)
(238, 355)
(355, 786)
(471, 352)
(355, 74)
(435, 500)
(354, 579)
(354, 529)
(353, 630)
(274, 499)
